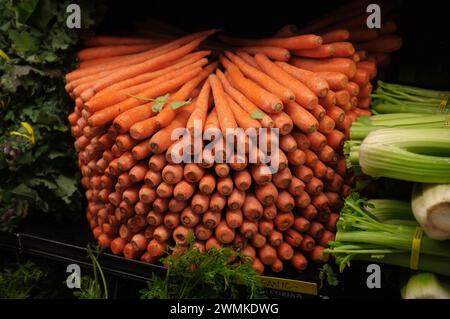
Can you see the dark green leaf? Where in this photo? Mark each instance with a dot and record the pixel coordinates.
(25, 9)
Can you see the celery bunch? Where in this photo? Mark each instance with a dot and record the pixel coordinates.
(363, 236)
(409, 154)
(397, 98)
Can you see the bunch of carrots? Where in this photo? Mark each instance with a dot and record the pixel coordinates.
(132, 93)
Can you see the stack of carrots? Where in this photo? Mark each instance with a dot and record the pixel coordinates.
(373, 46)
(132, 93)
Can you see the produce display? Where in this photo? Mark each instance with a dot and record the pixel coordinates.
(208, 157)
(132, 93)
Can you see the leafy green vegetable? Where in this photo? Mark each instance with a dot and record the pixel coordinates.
(327, 274)
(19, 282)
(37, 160)
(209, 274)
(93, 288)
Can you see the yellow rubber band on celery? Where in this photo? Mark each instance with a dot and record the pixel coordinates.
(415, 248)
(447, 122)
(4, 55)
(443, 104)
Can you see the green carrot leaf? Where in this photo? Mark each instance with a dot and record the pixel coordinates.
(257, 115)
(176, 104)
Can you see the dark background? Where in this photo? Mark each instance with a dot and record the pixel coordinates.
(423, 60)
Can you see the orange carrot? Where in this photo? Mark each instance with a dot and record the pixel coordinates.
(152, 178)
(176, 206)
(335, 36)
(188, 218)
(266, 194)
(148, 65)
(221, 169)
(317, 142)
(275, 238)
(193, 172)
(224, 233)
(117, 245)
(201, 108)
(316, 230)
(314, 187)
(141, 150)
(301, 224)
(172, 173)
(261, 174)
(167, 115)
(181, 234)
(147, 194)
(285, 201)
(288, 143)
(282, 179)
(270, 211)
(275, 53)
(285, 251)
(234, 218)
(296, 157)
(243, 101)
(336, 80)
(213, 243)
(265, 226)
(343, 65)
(258, 266)
(293, 237)
(284, 220)
(107, 114)
(207, 184)
(242, 118)
(225, 185)
(242, 180)
(327, 154)
(307, 41)
(319, 169)
(200, 203)
(164, 190)
(224, 113)
(326, 238)
(326, 124)
(156, 248)
(202, 233)
(236, 199)
(211, 219)
(137, 173)
(112, 50)
(183, 190)
(141, 208)
(262, 79)
(303, 202)
(283, 122)
(267, 101)
(317, 255)
(247, 58)
(304, 173)
(323, 51)
(252, 208)
(304, 120)
(299, 261)
(301, 139)
(216, 203)
(318, 111)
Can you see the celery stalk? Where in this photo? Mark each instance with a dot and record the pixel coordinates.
(417, 155)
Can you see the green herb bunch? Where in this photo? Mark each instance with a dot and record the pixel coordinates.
(216, 273)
